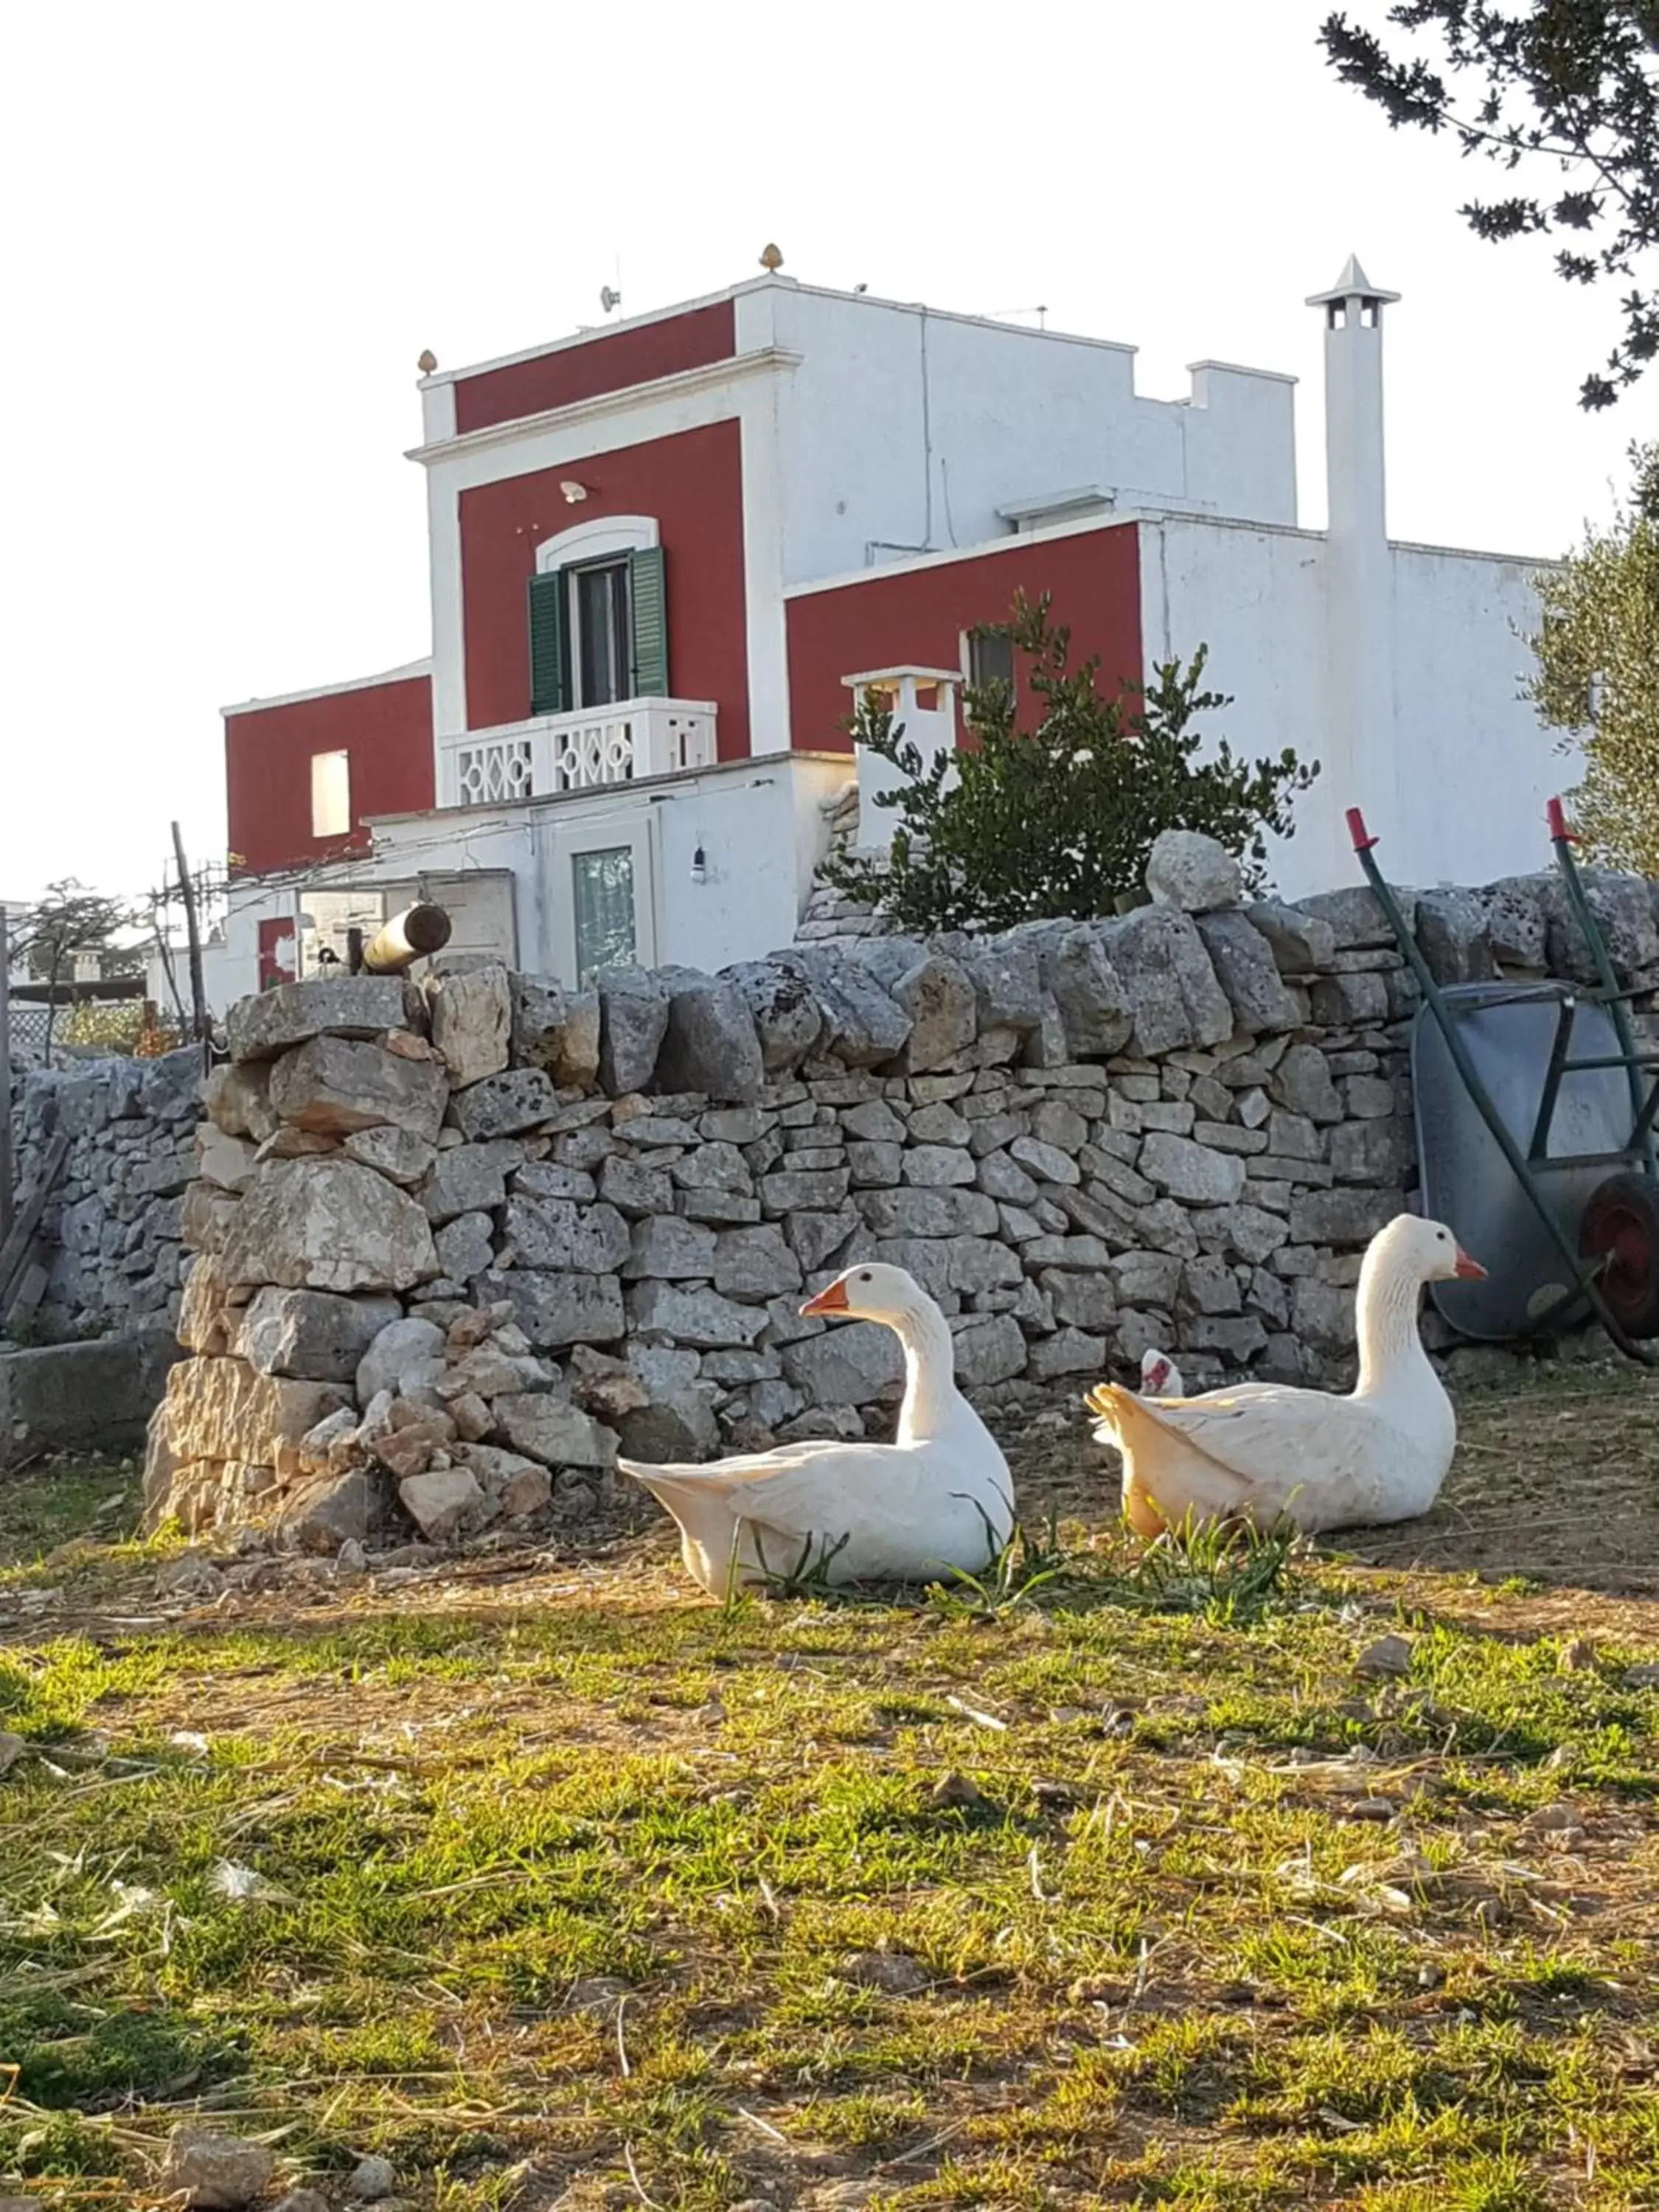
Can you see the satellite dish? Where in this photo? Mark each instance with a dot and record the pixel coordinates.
(609, 300)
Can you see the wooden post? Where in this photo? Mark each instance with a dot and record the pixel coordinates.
(198, 991)
(7, 1164)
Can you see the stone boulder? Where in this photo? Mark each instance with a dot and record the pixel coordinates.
(260, 1027)
(787, 1018)
(1174, 997)
(1451, 934)
(633, 1021)
(556, 1029)
(702, 1318)
(1090, 998)
(471, 1017)
(1356, 919)
(236, 1098)
(213, 2172)
(1193, 873)
(556, 1309)
(1248, 972)
(557, 1434)
(392, 1352)
(936, 993)
(1301, 944)
(328, 1224)
(504, 1105)
(864, 1023)
(1007, 972)
(710, 1044)
(399, 1155)
(314, 1336)
(331, 1086)
(556, 1233)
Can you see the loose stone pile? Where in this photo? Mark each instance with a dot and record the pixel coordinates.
(456, 1247)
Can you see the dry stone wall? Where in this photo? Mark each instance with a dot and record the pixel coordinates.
(111, 1235)
(456, 1247)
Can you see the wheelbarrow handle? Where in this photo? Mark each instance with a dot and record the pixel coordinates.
(1555, 815)
(1363, 839)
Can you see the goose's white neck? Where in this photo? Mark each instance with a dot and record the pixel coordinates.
(1392, 1360)
(931, 1397)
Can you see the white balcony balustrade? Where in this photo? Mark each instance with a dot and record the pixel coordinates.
(552, 754)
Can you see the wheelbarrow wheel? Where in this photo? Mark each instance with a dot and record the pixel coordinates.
(1621, 1226)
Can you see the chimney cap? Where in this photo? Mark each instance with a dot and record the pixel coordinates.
(1353, 284)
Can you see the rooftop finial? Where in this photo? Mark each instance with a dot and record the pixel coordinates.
(771, 259)
(1353, 284)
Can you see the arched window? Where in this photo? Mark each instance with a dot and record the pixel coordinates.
(598, 617)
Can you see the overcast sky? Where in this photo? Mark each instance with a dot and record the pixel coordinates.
(232, 231)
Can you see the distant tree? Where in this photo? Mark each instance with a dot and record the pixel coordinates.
(67, 923)
(1570, 87)
(1598, 670)
(1021, 826)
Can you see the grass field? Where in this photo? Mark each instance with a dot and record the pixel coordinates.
(1136, 1886)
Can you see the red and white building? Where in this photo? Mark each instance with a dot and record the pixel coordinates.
(663, 552)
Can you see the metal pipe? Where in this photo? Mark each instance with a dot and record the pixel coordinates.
(1447, 1023)
(410, 936)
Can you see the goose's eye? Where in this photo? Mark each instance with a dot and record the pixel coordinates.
(865, 1276)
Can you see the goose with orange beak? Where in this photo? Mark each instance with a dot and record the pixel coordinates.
(939, 1500)
(1269, 1454)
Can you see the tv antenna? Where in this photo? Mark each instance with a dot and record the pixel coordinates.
(609, 298)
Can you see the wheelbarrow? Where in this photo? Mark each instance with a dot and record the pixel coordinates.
(1535, 1113)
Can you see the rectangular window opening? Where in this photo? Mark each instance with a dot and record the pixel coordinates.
(331, 794)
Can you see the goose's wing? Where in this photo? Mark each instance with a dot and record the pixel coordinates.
(1264, 1440)
(799, 1489)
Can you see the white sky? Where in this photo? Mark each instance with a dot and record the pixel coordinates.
(232, 229)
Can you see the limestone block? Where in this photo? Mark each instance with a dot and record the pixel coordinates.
(988, 1350)
(1187, 870)
(260, 1027)
(446, 1503)
(786, 1015)
(328, 1224)
(633, 1021)
(470, 1179)
(1175, 996)
(399, 1155)
(1248, 972)
(848, 1365)
(555, 1433)
(220, 1409)
(555, 1233)
(693, 1317)
(556, 1309)
(314, 1336)
(1190, 1171)
(214, 2172)
(400, 1346)
(555, 1030)
(503, 1105)
(471, 1017)
(912, 1213)
(754, 1263)
(331, 1086)
(711, 1044)
(466, 1247)
(1090, 998)
(1300, 943)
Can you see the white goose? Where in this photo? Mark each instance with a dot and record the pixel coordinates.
(939, 1497)
(1266, 1452)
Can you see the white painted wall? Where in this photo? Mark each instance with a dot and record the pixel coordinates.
(1010, 414)
(1475, 764)
(1469, 765)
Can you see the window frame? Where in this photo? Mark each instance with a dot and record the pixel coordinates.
(620, 567)
(602, 834)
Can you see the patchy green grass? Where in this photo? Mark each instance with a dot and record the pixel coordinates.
(1110, 1880)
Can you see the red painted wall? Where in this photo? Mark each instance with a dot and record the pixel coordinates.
(602, 364)
(387, 728)
(693, 484)
(918, 617)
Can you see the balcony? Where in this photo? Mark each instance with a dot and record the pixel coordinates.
(553, 754)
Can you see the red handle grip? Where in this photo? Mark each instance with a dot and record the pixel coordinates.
(1362, 840)
(1560, 832)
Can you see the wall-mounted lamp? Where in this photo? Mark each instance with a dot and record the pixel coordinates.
(572, 493)
(699, 866)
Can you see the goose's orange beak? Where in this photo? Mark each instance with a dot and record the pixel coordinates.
(1468, 1270)
(832, 1299)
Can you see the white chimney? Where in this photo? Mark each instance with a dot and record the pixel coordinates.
(1358, 759)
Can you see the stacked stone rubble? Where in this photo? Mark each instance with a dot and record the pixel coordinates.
(458, 1248)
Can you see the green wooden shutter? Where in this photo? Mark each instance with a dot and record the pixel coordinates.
(650, 606)
(549, 659)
